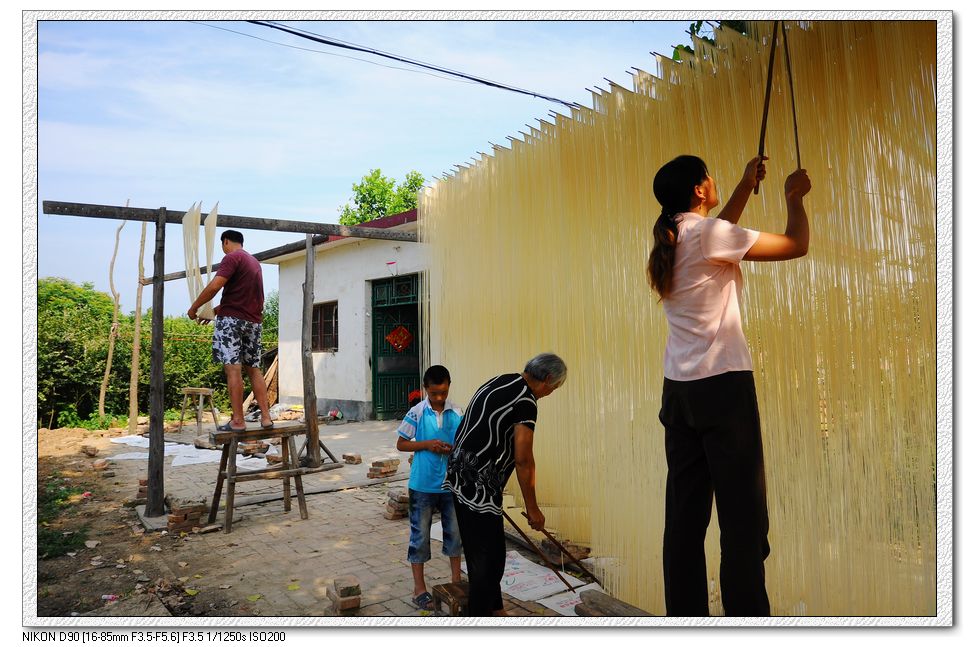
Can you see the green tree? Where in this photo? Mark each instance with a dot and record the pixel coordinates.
(72, 346)
(696, 28)
(188, 361)
(269, 329)
(73, 324)
(377, 196)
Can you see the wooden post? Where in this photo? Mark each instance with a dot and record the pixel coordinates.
(307, 368)
(155, 505)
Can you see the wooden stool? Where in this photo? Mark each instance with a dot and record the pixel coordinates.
(288, 468)
(454, 594)
(203, 393)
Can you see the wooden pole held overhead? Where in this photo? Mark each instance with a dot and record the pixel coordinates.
(792, 95)
(768, 93)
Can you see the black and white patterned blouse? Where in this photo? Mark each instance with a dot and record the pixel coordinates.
(484, 453)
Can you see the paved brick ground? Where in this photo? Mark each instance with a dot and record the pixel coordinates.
(290, 562)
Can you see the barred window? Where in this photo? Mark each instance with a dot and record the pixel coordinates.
(325, 326)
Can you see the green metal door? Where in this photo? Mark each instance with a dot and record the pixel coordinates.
(395, 344)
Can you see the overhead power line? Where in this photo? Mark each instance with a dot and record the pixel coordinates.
(318, 51)
(359, 48)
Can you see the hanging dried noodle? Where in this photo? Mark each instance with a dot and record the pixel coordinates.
(191, 248)
(542, 247)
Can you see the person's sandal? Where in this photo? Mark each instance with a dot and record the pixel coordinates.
(226, 427)
(424, 601)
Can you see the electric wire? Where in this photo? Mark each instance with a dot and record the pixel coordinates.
(318, 51)
(337, 43)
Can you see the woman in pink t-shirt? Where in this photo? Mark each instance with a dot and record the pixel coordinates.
(709, 409)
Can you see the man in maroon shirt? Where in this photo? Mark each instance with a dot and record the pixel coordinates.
(237, 329)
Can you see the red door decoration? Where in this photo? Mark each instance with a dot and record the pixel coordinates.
(400, 338)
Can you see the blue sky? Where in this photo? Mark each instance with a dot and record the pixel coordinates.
(167, 113)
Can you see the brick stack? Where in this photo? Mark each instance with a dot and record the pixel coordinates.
(251, 448)
(143, 489)
(185, 515)
(352, 459)
(397, 504)
(383, 468)
(345, 594)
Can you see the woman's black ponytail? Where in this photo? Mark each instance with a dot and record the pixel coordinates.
(660, 266)
(673, 187)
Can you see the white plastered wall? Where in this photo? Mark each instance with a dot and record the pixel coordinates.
(343, 272)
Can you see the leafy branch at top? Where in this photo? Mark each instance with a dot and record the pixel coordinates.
(696, 30)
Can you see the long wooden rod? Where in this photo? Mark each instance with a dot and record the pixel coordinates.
(267, 254)
(792, 95)
(54, 208)
(566, 552)
(768, 94)
(537, 550)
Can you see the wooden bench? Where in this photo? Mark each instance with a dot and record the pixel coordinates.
(454, 594)
(201, 393)
(288, 469)
(599, 604)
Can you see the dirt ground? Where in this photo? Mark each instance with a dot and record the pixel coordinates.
(250, 573)
(141, 568)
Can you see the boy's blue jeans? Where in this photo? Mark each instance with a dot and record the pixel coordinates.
(422, 506)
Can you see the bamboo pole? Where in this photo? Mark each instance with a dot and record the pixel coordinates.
(538, 551)
(768, 93)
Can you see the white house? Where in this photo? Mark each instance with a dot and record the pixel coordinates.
(365, 331)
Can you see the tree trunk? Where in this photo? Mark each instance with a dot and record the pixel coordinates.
(137, 341)
(113, 333)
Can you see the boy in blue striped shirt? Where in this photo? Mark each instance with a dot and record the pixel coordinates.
(428, 430)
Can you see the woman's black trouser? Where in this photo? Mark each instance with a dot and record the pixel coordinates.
(713, 442)
(482, 535)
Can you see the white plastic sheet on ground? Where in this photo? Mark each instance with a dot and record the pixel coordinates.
(134, 441)
(250, 463)
(525, 580)
(190, 455)
(185, 454)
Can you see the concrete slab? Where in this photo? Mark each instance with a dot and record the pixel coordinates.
(151, 523)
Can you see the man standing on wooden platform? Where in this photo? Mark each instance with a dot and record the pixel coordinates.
(495, 438)
(237, 328)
